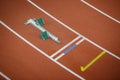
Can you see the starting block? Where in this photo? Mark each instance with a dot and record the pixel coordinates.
(40, 21)
(44, 35)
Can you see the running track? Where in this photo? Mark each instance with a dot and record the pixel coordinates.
(20, 61)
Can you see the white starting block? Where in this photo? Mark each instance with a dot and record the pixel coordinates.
(45, 34)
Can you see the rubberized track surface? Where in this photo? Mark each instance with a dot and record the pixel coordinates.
(21, 61)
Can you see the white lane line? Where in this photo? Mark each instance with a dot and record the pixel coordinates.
(3, 75)
(23, 38)
(57, 52)
(61, 55)
(68, 27)
(98, 46)
(80, 41)
(98, 10)
(40, 51)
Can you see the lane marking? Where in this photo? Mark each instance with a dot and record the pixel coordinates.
(68, 27)
(69, 49)
(98, 10)
(57, 52)
(61, 55)
(40, 51)
(4, 76)
(53, 17)
(98, 46)
(92, 62)
(80, 41)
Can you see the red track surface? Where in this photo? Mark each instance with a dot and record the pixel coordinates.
(20, 61)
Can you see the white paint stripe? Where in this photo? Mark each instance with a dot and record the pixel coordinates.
(23, 38)
(68, 27)
(101, 11)
(80, 41)
(69, 70)
(57, 52)
(61, 55)
(110, 53)
(43, 53)
(3, 75)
